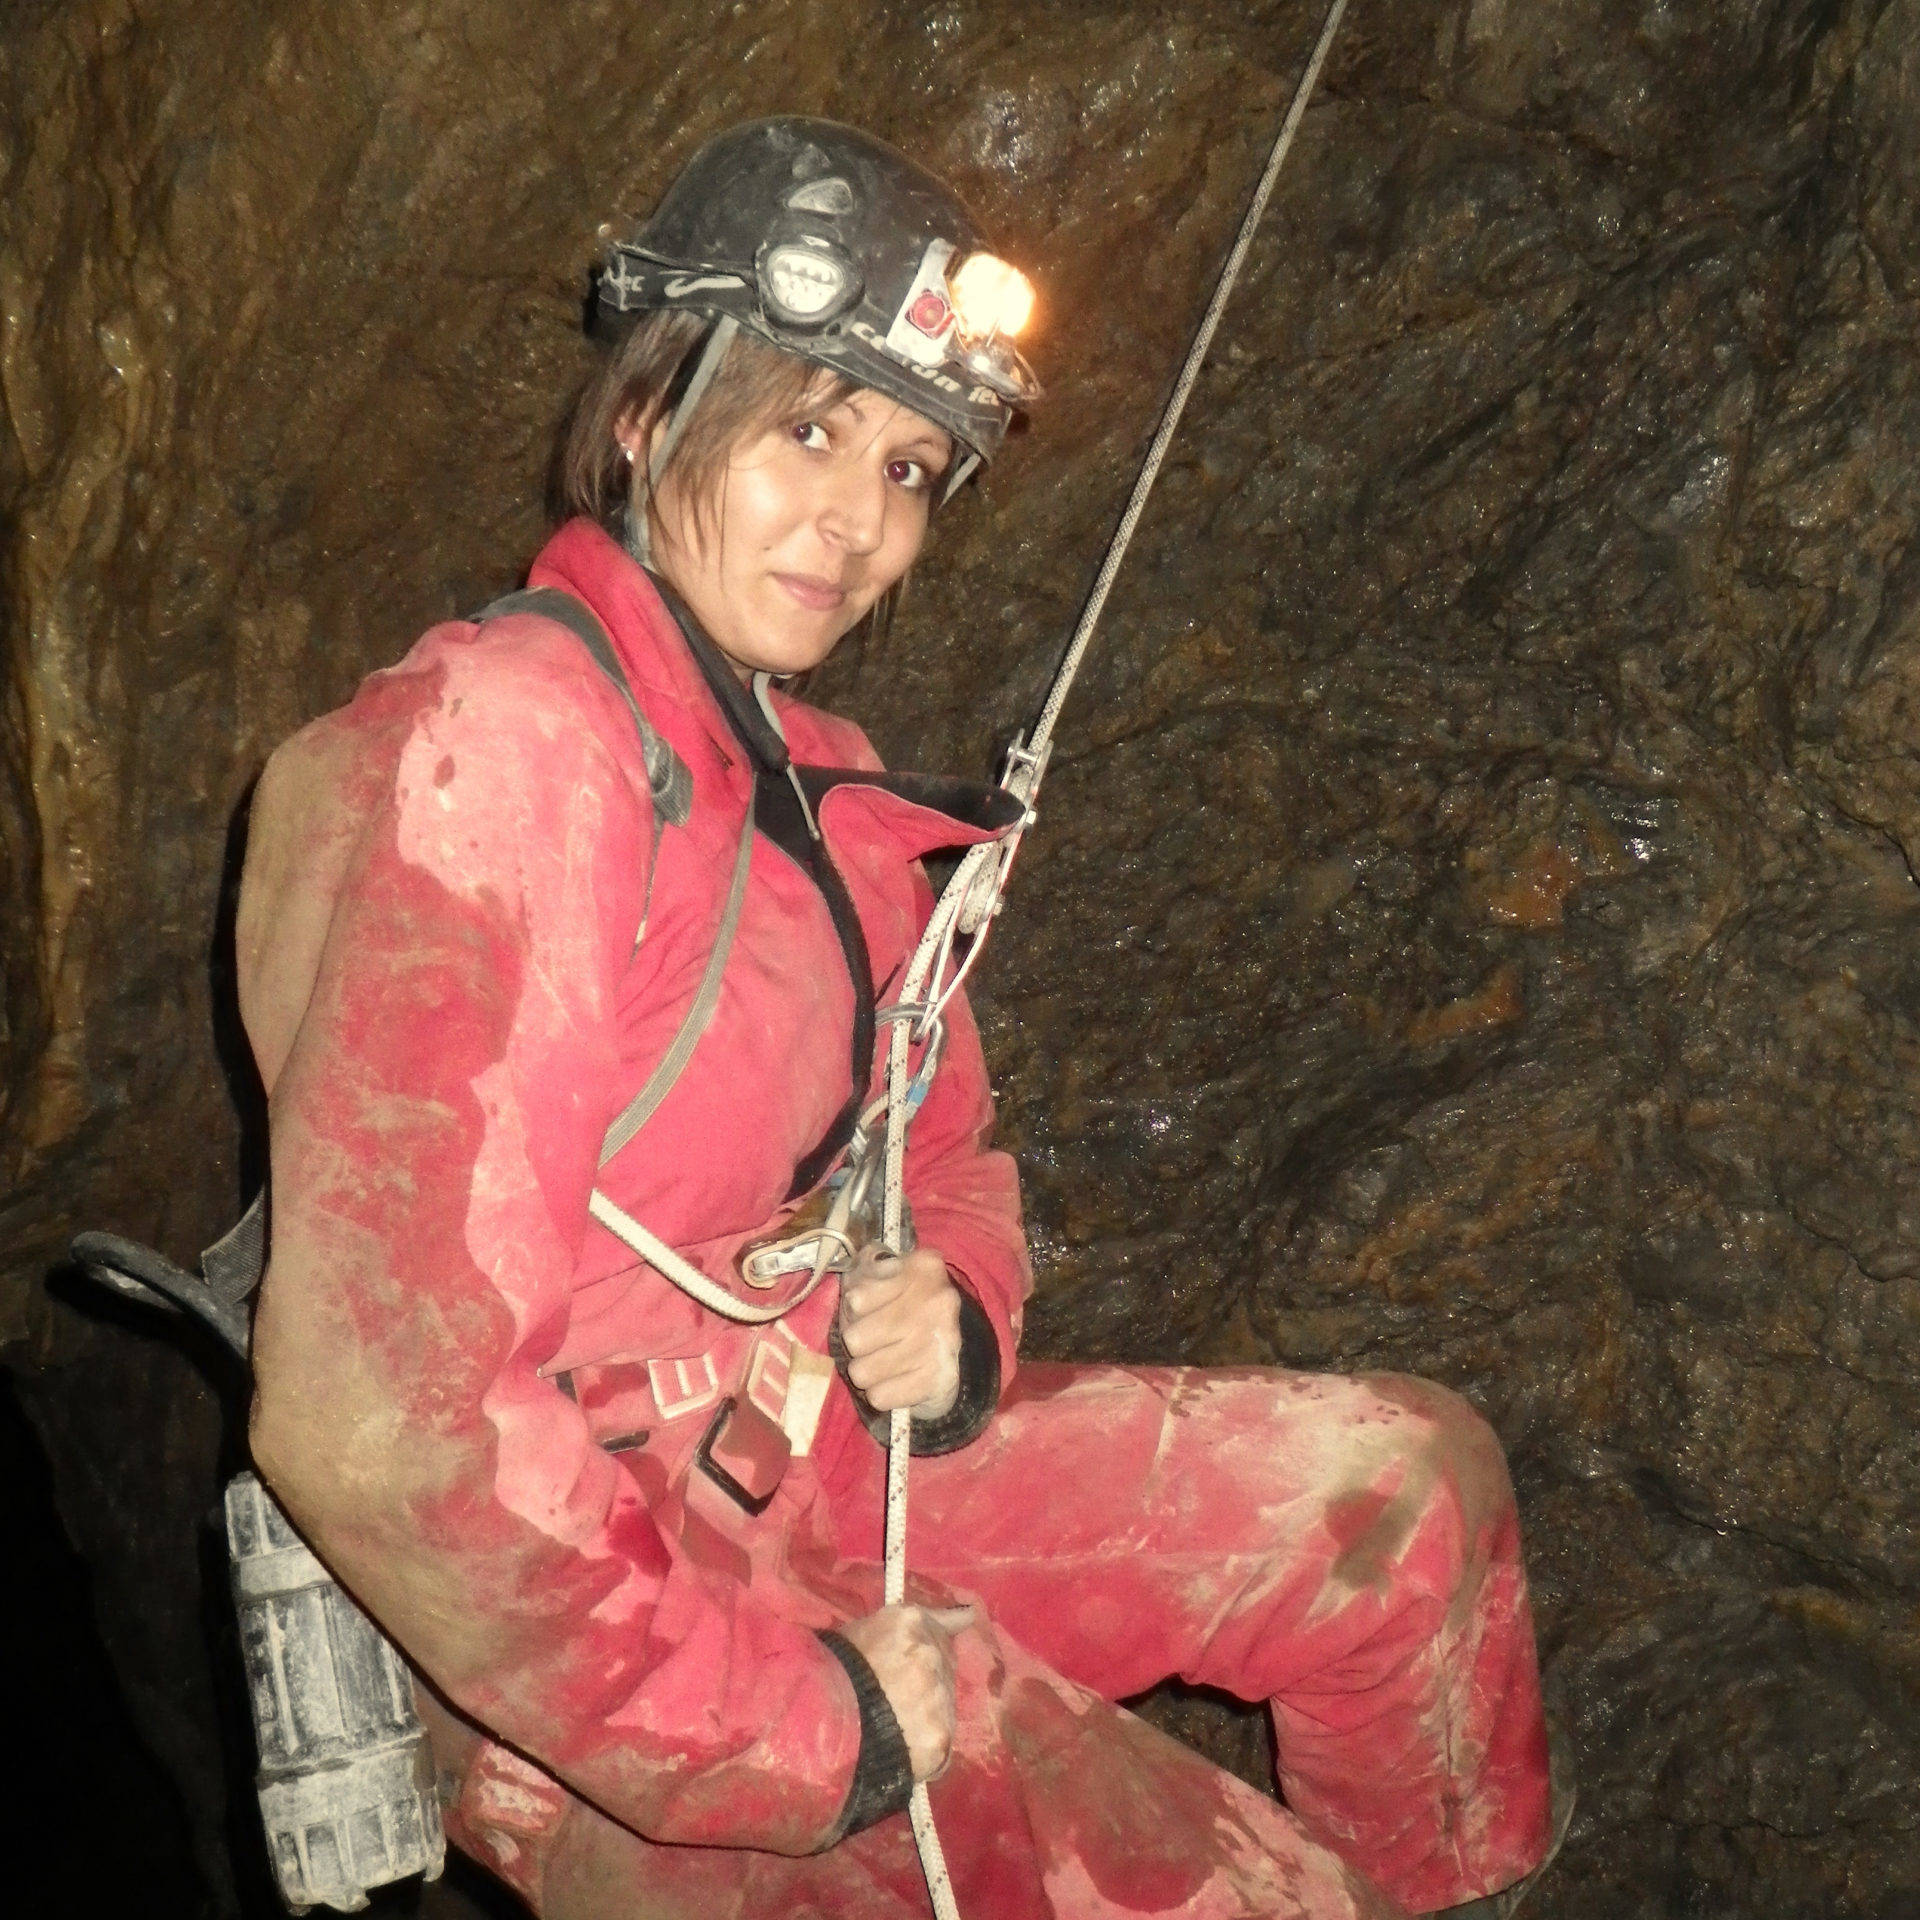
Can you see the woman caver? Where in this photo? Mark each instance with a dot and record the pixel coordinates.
(631, 1545)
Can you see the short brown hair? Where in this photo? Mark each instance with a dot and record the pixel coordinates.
(757, 389)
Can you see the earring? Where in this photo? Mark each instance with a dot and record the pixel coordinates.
(628, 451)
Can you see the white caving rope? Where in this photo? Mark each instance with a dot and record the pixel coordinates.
(972, 897)
(1189, 373)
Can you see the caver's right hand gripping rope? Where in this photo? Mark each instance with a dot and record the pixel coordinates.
(973, 896)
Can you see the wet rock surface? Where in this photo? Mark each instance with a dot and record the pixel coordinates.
(1471, 930)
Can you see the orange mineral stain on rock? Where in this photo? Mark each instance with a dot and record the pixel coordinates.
(1496, 1002)
(1535, 893)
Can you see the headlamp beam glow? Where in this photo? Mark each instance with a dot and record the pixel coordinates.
(990, 297)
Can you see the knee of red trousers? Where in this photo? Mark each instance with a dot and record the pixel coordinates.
(1454, 1483)
(1434, 1775)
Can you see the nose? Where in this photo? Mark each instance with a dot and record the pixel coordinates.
(853, 515)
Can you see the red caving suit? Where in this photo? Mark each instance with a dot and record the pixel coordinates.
(482, 1411)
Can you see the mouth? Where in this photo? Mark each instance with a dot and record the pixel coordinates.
(814, 593)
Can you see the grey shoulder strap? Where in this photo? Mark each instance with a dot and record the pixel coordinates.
(639, 1110)
(669, 779)
(234, 1263)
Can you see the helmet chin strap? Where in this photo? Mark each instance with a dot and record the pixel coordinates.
(962, 469)
(639, 536)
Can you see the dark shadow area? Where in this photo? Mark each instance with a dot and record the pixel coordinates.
(242, 1077)
(1230, 1732)
(113, 1835)
(103, 1828)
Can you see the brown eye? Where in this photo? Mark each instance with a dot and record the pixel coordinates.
(911, 474)
(811, 435)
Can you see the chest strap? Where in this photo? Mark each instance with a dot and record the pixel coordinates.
(671, 784)
(786, 816)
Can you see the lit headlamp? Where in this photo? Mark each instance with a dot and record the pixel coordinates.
(966, 314)
(992, 301)
(989, 297)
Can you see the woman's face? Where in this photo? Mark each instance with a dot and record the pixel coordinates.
(814, 522)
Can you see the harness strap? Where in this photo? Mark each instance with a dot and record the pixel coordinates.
(670, 782)
(234, 1263)
(788, 816)
(640, 1109)
(696, 369)
(687, 1277)
(669, 779)
(713, 351)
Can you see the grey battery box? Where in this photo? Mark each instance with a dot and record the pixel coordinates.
(347, 1788)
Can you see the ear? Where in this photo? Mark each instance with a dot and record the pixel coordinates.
(637, 434)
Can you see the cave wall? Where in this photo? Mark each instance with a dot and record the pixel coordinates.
(1470, 929)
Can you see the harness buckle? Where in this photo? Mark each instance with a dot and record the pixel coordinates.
(682, 1386)
(745, 1455)
(767, 1265)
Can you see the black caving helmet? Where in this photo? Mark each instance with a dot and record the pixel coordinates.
(834, 246)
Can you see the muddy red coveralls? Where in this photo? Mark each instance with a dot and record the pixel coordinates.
(485, 1413)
